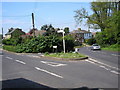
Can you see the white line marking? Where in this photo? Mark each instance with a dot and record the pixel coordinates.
(104, 67)
(20, 61)
(115, 72)
(53, 64)
(8, 57)
(102, 63)
(90, 61)
(115, 55)
(48, 72)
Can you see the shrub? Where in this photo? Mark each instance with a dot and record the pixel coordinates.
(9, 48)
(91, 41)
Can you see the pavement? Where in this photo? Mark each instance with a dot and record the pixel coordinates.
(31, 71)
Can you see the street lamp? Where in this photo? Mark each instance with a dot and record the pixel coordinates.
(62, 31)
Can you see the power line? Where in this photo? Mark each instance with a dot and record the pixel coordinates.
(17, 16)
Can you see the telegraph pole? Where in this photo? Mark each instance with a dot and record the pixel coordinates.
(33, 24)
(2, 33)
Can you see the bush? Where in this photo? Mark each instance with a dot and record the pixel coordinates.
(91, 41)
(12, 41)
(9, 48)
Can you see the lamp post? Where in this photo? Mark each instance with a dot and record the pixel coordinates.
(62, 31)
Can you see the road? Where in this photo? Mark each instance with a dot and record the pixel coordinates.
(26, 71)
(107, 57)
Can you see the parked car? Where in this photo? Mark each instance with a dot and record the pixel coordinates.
(95, 47)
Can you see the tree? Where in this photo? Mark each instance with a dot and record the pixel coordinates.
(101, 12)
(66, 29)
(106, 16)
(49, 29)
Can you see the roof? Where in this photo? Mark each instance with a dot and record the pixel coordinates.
(10, 32)
(80, 31)
(40, 32)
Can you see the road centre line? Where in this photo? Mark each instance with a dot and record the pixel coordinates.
(9, 58)
(20, 61)
(53, 74)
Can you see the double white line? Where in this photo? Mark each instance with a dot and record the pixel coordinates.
(103, 65)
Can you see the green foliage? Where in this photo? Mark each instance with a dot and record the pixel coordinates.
(9, 48)
(69, 43)
(105, 16)
(12, 41)
(66, 55)
(66, 29)
(115, 47)
(49, 30)
(91, 41)
(39, 44)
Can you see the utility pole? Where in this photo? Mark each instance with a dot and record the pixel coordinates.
(2, 33)
(33, 24)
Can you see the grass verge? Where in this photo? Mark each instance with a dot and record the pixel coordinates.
(9, 48)
(66, 55)
(114, 47)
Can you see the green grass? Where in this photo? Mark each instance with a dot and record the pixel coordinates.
(9, 48)
(78, 46)
(114, 47)
(66, 55)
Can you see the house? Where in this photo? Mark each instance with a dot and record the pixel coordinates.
(31, 33)
(14, 32)
(40, 32)
(81, 35)
(93, 34)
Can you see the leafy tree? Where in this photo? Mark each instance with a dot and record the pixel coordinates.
(49, 30)
(106, 16)
(66, 29)
(69, 43)
(101, 12)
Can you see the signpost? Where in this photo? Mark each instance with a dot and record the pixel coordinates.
(62, 31)
(55, 47)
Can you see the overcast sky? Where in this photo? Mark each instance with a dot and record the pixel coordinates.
(59, 14)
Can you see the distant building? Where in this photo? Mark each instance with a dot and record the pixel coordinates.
(32, 32)
(93, 34)
(12, 32)
(81, 35)
(40, 32)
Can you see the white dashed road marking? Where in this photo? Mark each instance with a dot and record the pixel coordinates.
(20, 61)
(53, 74)
(8, 57)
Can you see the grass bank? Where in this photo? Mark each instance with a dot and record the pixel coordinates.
(9, 48)
(66, 55)
(114, 47)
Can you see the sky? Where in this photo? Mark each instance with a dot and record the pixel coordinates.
(59, 14)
